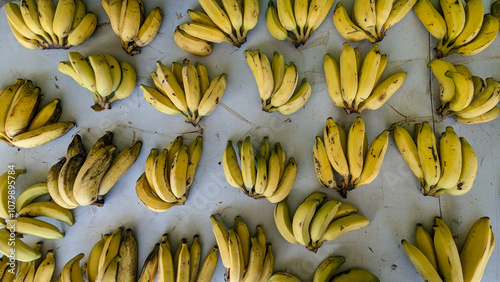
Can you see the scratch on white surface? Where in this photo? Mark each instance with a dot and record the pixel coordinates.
(234, 113)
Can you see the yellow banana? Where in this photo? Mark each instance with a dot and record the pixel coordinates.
(469, 170)
(483, 39)
(36, 227)
(322, 218)
(161, 178)
(149, 29)
(454, 15)
(286, 16)
(171, 87)
(298, 100)
(374, 158)
(103, 79)
(367, 75)
(67, 177)
(363, 13)
(303, 216)
(261, 176)
(7, 95)
(247, 160)
(488, 116)
(450, 155)
(286, 183)
(207, 269)
(48, 209)
(383, 92)
(324, 171)
(344, 25)
(159, 101)
(42, 135)
(348, 74)
(464, 91)
(80, 12)
(408, 150)
(148, 271)
(398, 11)
(29, 11)
(335, 149)
(178, 173)
(191, 87)
(191, 44)
(343, 225)
(165, 263)
(84, 70)
(46, 268)
(250, 16)
(428, 155)
(475, 251)
(148, 198)
(421, 262)
(446, 84)
(130, 20)
(300, 13)
(234, 12)
(355, 151)
(218, 15)
(447, 254)
(22, 111)
(483, 102)
(236, 264)
(205, 32)
(231, 167)
(287, 87)
(17, 23)
(432, 20)
(194, 152)
(212, 95)
(93, 260)
(23, 253)
(115, 70)
(256, 261)
(273, 22)
(63, 19)
(273, 174)
(29, 194)
(425, 244)
(200, 17)
(474, 15)
(50, 113)
(46, 11)
(195, 257)
(332, 76)
(83, 30)
(327, 268)
(283, 221)
(267, 72)
(222, 238)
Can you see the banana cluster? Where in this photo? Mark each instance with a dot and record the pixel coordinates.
(437, 258)
(370, 19)
(169, 175)
(325, 272)
(112, 258)
(348, 155)
(22, 124)
(467, 98)
(354, 84)
(107, 79)
(185, 90)
(40, 269)
(277, 83)
(450, 167)
(128, 21)
(72, 270)
(216, 24)
(245, 258)
(41, 24)
(182, 264)
(315, 222)
(80, 178)
(462, 30)
(264, 174)
(296, 20)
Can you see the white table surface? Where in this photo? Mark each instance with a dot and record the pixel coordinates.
(392, 202)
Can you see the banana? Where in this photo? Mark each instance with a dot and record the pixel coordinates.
(159, 101)
(234, 12)
(327, 268)
(46, 10)
(110, 271)
(382, 10)
(455, 17)
(475, 251)
(17, 22)
(381, 68)
(479, 85)
(93, 260)
(469, 170)
(322, 218)
(80, 12)
(432, 20)
(298, 100)
(53, 186)
(127, 266)
(344, 210)
(268, 265)
(283, 222)
(231, 167)
(447, 254)
(250, 16)
(115, 71)
(332, 76)
(268, 80)
(29, 194)
(63, 19)
(425, 244)
(355, 151)
(207, 269)
(287, 87)
(408, 150)
(483, 39)
(256, 261)
(67, 177)
(48, 209)
(171, 87)
(194, 152)
(286, 16)
(103, 79)
(273, 23)
(367, 75)
(46, 268)
(398, 11)
(265, 149)
(109, 250)
(322, 13)
(303, 216)
(23, 253)
(273, 174)
(446, 84)
(349, 74)
(83, 30)
(148, 271)
(50, 113)
(383, 92)
(7, 94)
(200, 17)
(205, 32)
(161, 178)
(149, 29)
(36, 227)
(194, 259)
(222, 238)
(283, 276)
(76, 147)
(483, 102)
(103, 141)
(363, 13)
(191, 44)
(22, 111)
(236, 263)
(66, 68)
(324, 171)
(247, 160)
(191, 87)
(344, 25)
(29, 11)
(464, 91)
(165, 263)
(342, 225)
(115, 9)
(218, 15)
(213, 95)
(88, 179)
(119, 166)
(203, 78)
(450, 155)
(300, 10)
(42, 135)
(428, 155)
(474, 11)
(183, 262)
(373, 159)
(488, 116)
(149, 199)
(178, 173)
(424, 267)
(260, 177)
(130, 20)
(84, 70)
(286, 183)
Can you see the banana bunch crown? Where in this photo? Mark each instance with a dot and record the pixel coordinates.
(245, 258)
(82, 178)
(261, 174)
(107, 79)
(353, 84)
(316, 221)
(44, 25)
(23, 123)
(436, 256)
(182, 264)
(369, 19)
(469, 99)
(277, 82)
(169, 174)
(185, 90)
(37, 269)
(129, 21)
(295, 20)
(229, 22)
(459, 28)
(448, 165)
(348, 155)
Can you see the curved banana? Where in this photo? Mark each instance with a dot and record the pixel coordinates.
(159, 101)
(332, 76)
(234, 12)
(83, 30)
(148, 198)
(149, 29)
(250, 16)
(348, 74)
(474, 15)
(247, 160)
(213, 95)
(29, 194)
(483, 39)
(36, 227)
(344, 25)
(236, 264)
(178, 173)
(432, 20)
(450, 155)
(10, 175)
(367, 75)
(446, 84)
(127, 266)
(355, 149)
(222, 238)
(255, 261)
(327, 268)
(447, 254)
(260, 176)
(207, 269)
(22, 111)
(283, 276)
(297, 101)
(469, 170)
(342, 225)
(363, 13)
(166, 268)
(383, 92)
(46, 11)
(421, 262)
(428, 155)
(464, 91)
(475, 251)
(17, 22)
(48, 209)
(103, 79)
(322, 166)
(408, 150)
(194, 152)
(286, 16)
(191, 87)
(488, 116)
(373, 159)
(46, 268)
(171, 87)
(84, 70)
(322, 218)
(283, 222)
(303, 216)
(63, 19)
(287, 87)
(205, 32)
(218, 15)
(200, 17)
(482, 102)
(231, 167)
(273, 174)
(67, 177)
(53, 185)
(191, 44)
(93, 260)
(273, 22)
(286, 183)
(50, 113)
(130, 20)
(425, 244)
(150, 266)
(7, 95)
(398, 11)
(322, 13)
(23, 253)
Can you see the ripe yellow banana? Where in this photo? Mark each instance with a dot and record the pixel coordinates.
(212, 96)
(166, 269)
(455, 17)
(363, 13)
(367, 75)
(50, 113)
(231, 167)
(191, 87)
(450, 155)
(247, 160)
(398, 11)
(234, 12)
(383, 92)
(192, 44)
(42, 135)
(29, 194)
(250, 16)
(324, 171)
(218, 15)
(332, 76)
(35, 227)
(342, 225)
(349, 74)
(194, 152)
(447, 254)
(327, 268)
(256, 261)
(200, 17)
(178, 173)
(488, 116)
(67, 177)
(93, 260)
(17, 22)
(475, 251)
(432, 20)
(22, 111)
(474, 15)
(273, 23)
(207, 269)
(194, 259)
(408, 150)
(222, 238)
(236, 264)
(303, 216)
(425, 244)
(283, 276)
(84, 70)
(161, 178)
(483, 101)
(48, 209)
(373, 159)
(322, 218)
(287, 87)
(149, 199)
(63, 19)
(298, 99)
(46, 268)
(149, 29)
(171, 87)
(446, 84)
(130, 20)
(103, 79)
(205, 32)
(469, 170)
(464, 91)
(483, 39)
(286, 15)
(23, 253)
(355, 149)
(260, 177)
(83, 30)
(283, 221)
(150, 266)
(428, 155)
(421, 262)
(345, 26)
(274, 174)
(159, 101)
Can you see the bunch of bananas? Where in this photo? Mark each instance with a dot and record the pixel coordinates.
(448, 168)
(129, 22)
(437, 258)
(107, 79)
(300, 18)
(313, 223)
(112, 258)
(463, 30)
(260, 175)
(43, 25)
(348, 155)
(467, 98)
(325, 273)
(185, 90)
(276, 83)
(245, 258)
(354, 85)
(169, 174)
(370, 19)
(80, 178)
(21, 124)
(182, 265)
(40, 269)
(229, 23)
(72, 270)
